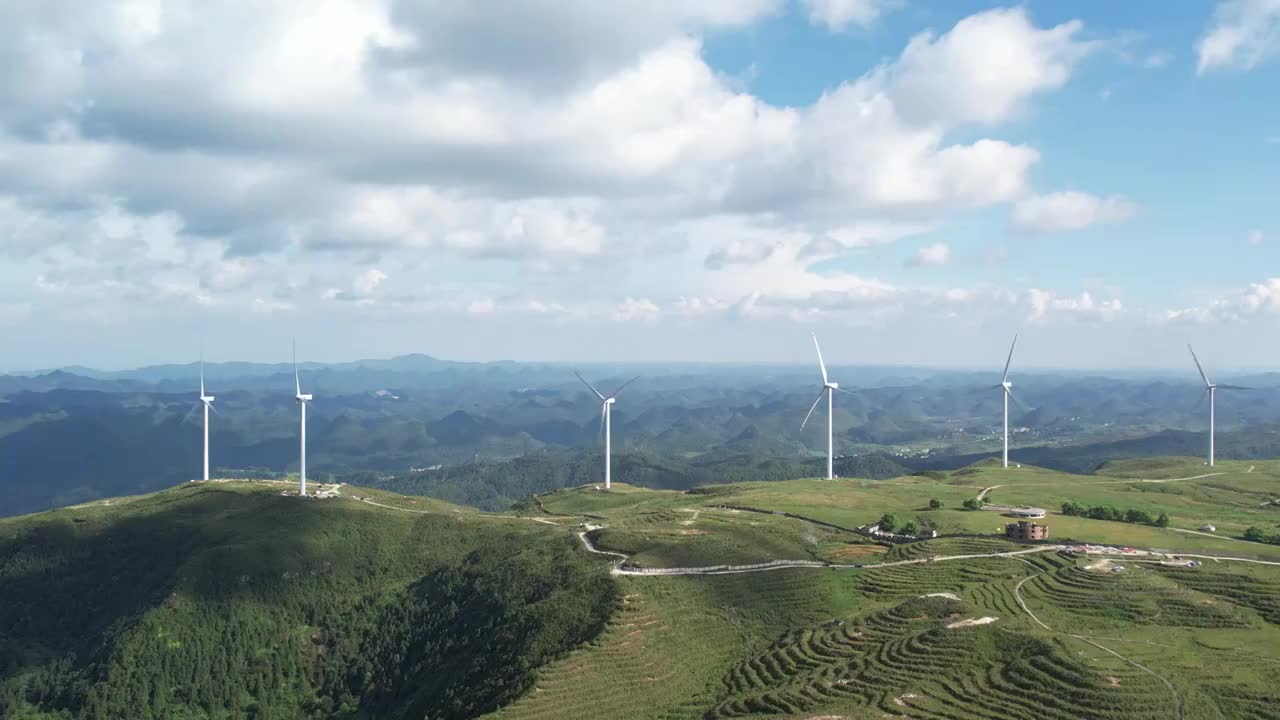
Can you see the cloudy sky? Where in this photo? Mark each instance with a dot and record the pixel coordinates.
(640, 180)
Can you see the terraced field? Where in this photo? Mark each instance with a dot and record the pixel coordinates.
(913, 660)
(1049, 635)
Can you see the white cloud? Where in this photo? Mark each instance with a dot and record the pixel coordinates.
(984, 69)
(930, 255)
(368, 281)
(1255, 237)
(636, 310)
(838, 15)
(1043, 305)
(1258, 299)
(1244, 33)
(1069, 210)
(1157, 60)
(439, 158)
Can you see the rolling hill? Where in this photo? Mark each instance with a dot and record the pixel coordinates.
(233, 599)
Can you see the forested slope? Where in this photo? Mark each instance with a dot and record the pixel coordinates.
(231, 601)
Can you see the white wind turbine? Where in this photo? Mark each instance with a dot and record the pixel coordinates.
(207, 401)
(302, 406)
(1211, 390)
(829, 389)
(606, 414)
(1006, 388)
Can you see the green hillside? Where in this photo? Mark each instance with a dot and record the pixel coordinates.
(744, 600)
(229, 600)
(1064, 637)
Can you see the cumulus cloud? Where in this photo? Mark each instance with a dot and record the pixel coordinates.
(395, 156)
(1257, 299)
(930, 255)
(1043, 305)
(1070, 210)
(636, 310)
(1243, 34)
(838, 15)
(985, 68)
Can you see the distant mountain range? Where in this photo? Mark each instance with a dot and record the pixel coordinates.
(75, 434)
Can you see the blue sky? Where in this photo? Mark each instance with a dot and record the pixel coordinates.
(707, 181)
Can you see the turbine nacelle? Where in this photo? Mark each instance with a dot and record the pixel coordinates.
(302, 398)
(206, 399)
(610, 401)
(1006, 385)
(831, 386)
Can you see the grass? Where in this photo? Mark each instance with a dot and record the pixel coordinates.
(859, 643)
(870, 642)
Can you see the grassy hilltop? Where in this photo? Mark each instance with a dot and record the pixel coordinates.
(231, 600)
(871, 643)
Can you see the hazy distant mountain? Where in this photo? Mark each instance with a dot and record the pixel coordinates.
(67, 436)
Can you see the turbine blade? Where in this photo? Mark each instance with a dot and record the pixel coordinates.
(1017, 402)
(615, 392)
(297, 381)
(846, 392)
(815, 407)
(1233, 387)
(821, 364)
(603, 409)
(214, 409)
(590, 386)
(1200, 401)
(190, 414)
(1198, 367)
(202, 374)
(1009, 360)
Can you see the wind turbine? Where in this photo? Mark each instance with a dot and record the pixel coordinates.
(829, 389)
(606, 414)
(1212, 391)
(207, 401)
(1007, 388)
(302, 406)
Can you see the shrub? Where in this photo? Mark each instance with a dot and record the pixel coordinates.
(972, 504)
(1138, 516)
(1163, 520)
(935, 504)
(888, 522)
(909, 528)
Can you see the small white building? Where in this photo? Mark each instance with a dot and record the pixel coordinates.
(1027, 512)
(1208, 528)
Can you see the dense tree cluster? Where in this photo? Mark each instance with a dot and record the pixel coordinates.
(1101, 512)
(1257, 534)
(230, 606)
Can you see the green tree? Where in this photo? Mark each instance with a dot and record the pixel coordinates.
(972, 504)
(888, 522)
(909, 528)
(1138, 516)
(1255, 534)
(935, 504)
(1163, 520)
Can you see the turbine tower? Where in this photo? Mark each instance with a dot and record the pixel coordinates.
(1006, 388)
(829, 389)
(1211, 390)
(606, 414)
(302, 435)
(207, 401)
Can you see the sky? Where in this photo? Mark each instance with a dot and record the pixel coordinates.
(640, 180)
